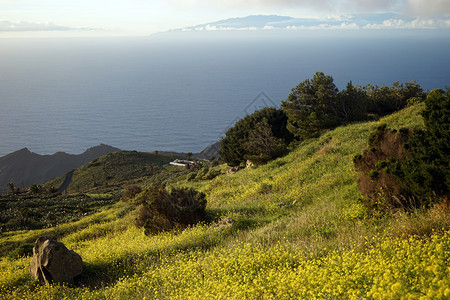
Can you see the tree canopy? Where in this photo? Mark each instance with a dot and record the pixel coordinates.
(312, 106)
(316, 104)
(235, 147)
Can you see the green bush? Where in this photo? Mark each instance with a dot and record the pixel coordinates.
(212, 173)
(381, 189)
(36, 189)
(409, 169)
(130, 192)
(191, 176)
(164, 210)
(426, 174)
(202, 173)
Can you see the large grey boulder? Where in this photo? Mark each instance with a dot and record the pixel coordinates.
(52, 262)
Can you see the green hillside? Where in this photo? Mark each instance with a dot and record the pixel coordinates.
(299, 231)
(116, 169)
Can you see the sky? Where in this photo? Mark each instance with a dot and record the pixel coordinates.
(143, 17)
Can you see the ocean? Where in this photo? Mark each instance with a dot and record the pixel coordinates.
(181, 92)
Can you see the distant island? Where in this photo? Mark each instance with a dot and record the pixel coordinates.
(275, 22)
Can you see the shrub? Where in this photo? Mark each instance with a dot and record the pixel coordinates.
(202, 173)
(414, 101)
(130, 192)
(426, 173)
(212, 173)
(191, 176)
(375, 182)
(52, 190)
(404, 169)
(164, 210)
(36, 189)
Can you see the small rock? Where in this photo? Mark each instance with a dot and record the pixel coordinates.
(249, 164)
(52, 262)
(233, 170)
(224, 222)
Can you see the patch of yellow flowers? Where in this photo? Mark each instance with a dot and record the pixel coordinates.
(394, 269)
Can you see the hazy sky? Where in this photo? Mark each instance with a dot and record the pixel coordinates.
(141, 17)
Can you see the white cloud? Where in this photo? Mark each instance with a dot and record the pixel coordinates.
(371, 22)
(415, 24)
(343, 25)
(8, 26)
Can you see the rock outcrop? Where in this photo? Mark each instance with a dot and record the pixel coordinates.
(52, 262)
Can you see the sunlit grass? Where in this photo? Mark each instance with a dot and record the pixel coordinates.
(300, 231)
(409, 268)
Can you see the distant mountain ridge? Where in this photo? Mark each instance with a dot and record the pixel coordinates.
(25, 168)
(254, 21)
(357, 21)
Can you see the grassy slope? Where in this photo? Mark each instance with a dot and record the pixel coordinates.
(115, 169)
(300, 232)
(102, 179)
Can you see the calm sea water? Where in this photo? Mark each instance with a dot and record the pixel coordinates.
(181, 94)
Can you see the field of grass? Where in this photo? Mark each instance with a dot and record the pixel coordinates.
(299, 231)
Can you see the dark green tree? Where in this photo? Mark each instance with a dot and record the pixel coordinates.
(12, 187)
(233, 146)
(312, 106)
(385, 100)
(352, 104)
(262, 145)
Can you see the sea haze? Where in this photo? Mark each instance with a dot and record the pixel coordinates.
(180, 92)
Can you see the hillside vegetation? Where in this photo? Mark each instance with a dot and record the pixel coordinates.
(297, 229)
(25, 168)
(116, 169)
